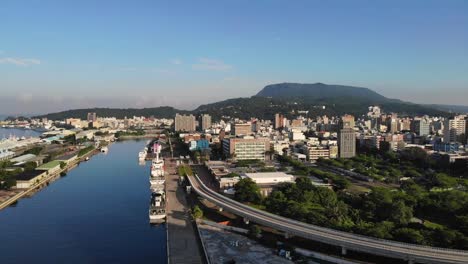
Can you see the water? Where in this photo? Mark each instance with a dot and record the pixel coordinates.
(97, 213)
(6, 132)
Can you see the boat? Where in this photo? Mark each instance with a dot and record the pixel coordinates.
(157, 209)
(142, 155)
(157, 168)
(87, 158)
(104, 149)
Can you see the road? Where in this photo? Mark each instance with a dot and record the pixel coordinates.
(183, 246)
(410, 252)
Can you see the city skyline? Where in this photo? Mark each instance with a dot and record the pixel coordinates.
(58, 56)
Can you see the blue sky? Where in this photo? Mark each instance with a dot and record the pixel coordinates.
(57, 55)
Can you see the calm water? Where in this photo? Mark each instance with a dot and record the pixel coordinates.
(97, 213)
(6, 132)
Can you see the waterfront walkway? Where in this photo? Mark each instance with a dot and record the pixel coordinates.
(182, 241)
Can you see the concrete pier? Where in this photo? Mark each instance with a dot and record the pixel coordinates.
(182, 243)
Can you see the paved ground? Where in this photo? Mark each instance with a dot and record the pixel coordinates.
(224, 247)
(183, 245)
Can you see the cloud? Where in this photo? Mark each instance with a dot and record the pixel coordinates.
(19, 61)
(211, 65)
(176, 61)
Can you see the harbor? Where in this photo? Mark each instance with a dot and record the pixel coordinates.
(99, 209)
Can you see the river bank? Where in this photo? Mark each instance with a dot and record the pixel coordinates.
(12, 196)
(97, 213)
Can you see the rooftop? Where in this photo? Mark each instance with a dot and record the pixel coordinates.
(67, 156)
(28, 175)
(23, 158)
(49, 165)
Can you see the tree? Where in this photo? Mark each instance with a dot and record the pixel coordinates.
(197, 212)
(408, 235)
(255, 231)
(30, 166)
(247, 191)
(63, 165)
(400, 213)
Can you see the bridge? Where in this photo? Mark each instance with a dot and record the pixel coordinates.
(409, 252)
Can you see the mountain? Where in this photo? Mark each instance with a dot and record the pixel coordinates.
(290, 99)
(318, 91)
(158, 112)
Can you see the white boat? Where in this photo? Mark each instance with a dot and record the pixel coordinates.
(87, 158)
(142, 155)
(104, 149)
(157, 168)
(157, 210)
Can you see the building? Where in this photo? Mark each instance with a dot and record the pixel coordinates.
(347, 143)
(23, 159)
(455, 129)
(421, 126)
(185, 123)
(279, 121)
(92, 117)
(242, 129)
(247, 148)
(267, 180)
(26, 179)
(205, 121)
(50, 167)
(296, 135)
(347, 121)
(315, 152)
(68, 158)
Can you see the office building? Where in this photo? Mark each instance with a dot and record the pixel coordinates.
(455, 129)
(347, 121)
(347, 143)
(242, 129)
(247, 148)
(185, 123)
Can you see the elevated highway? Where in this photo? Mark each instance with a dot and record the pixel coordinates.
(409, 252)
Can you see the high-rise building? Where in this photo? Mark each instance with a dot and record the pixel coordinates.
(185, 123)
(455, 129)
(347, 143)
(205, 121)
(91, 117)
(279, 121)
(347, 121)
(421, 126)
(242, 129)
(246, 148)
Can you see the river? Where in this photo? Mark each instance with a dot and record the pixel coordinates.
(97, 213)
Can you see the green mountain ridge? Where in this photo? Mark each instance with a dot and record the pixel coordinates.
(290, 99)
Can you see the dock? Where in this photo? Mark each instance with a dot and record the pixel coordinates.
(182, 239)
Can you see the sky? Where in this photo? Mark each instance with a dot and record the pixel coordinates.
(64, 54)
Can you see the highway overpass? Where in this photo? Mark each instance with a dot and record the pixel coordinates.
(410, 252)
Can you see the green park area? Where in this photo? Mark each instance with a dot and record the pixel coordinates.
(430, 207)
